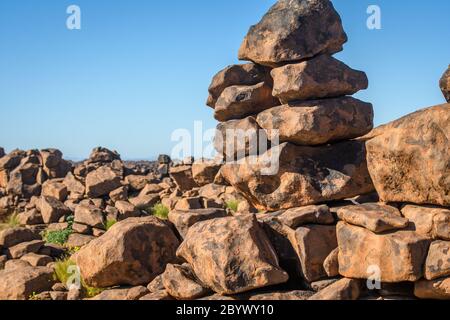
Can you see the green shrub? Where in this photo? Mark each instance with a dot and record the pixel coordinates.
(109, 223)
(59, 237)
(160, 211)
(232, 205)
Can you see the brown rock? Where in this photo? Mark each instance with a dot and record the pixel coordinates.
(89, 215)
(204, 171)
(126, 210)
(157, 296)
(313, 244)
(11, 160)
(77, 240)
(156, 285)
(120, 194)
(37, 260)
(237, 102)
(122, 294)
(151, 188)
(318, 78)
(437, 289)
(331, 264)
(73, 184)
(101, 182)
(186, 204)
(306, 175)
(297, 217)
(236, 75)
(408, 158)
(437, 264)
(344, 289)
(145, 202)
(132, 252)
(16, 264)
(31, 217)
(182, 176)
(433, 222)
(445, 84)
(13, 236)
(180, 283)
(183, 220)
(319, 122)
(137, 183)
(81, 228)
(103, 155)
(231, 255)
(400, 256)
(375, 217)
(55, 190)
(282, 296)
(52, 209)
(289, 32)
(20, 284)
(21, 249)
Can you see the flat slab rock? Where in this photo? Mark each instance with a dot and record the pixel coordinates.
(375, 217)
(294, 30)
(231, 255)
(297, 217)
(408, 158)
(318, 122)
(400, 256)
(302, 176)
(318, 78)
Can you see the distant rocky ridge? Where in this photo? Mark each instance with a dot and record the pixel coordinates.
(349, 204)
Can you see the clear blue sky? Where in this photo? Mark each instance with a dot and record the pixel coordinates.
(140, 69)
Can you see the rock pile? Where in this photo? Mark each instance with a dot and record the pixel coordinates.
(347, 216)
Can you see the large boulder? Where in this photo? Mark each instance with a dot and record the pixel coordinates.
(232, 255)
(319, 122)
(237, 102)
(89, 215)
(183, 220)
(430, 221)
(182, 175)
(52, 209)
(101, 182)
(318, 78)
(290, 176)
(132, 252)
(445, 84)
(247, 74)
(408, 159)
(294, 30)
(400, 256)
(205, 171)
(20, 284)
(13, 236)
(54, 164)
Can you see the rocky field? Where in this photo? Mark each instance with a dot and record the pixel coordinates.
(352, 211)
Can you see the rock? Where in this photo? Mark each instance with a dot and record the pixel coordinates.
(236, 75)
(73, 184)
(156, 285)
(237, 102)
(433, 222)
(331, 264)
(2, 152)
(16, 264)
(11, 160)
(81, 228)
(20, 284)
(120, 194)
(55, 190)
(296, 295)
(58, 296)
(132, 252)
(89, 215)
(231, 255)
(437, 264)
(445, 84)
(236, 139)
(74, 294)
(297, 217)
(408, 158)
(318, 78)
(126, 210)
(313, 244)
(21, 249)
(437, 289)
(31, 217)
(180, 283)
(77, 240)
(183, 220)
(137, 183)
(122, 294)
(375, 217)
(400, 256)
(54, 165)
(157, 296)
(322, 284)
(318, 122)
(101, 182)
(37, 260)
(305, 175)
(186, 204)
(13, 236)
(103, 155)
(204, 171)
(289, 32)
(145, 202)
(344, 289)
(151, 189)
(164, 159)
(3, 260)
(182, 176)
(52, 209)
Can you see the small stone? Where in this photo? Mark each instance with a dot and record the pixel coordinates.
(344, 289)
(180, 283)
(437, 264)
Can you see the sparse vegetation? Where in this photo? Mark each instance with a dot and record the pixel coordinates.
(11, 222)
(160, 211)
(109, 223)
(232, 205)
(59, 237)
